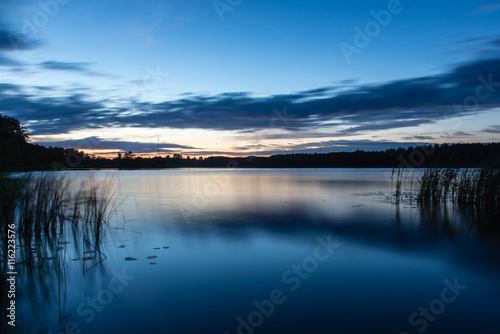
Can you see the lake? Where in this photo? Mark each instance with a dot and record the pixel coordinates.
(269, 251)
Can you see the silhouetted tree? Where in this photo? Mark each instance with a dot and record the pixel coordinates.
(12, 130)
(129, 155)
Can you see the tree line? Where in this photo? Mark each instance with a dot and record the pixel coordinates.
(18, 154)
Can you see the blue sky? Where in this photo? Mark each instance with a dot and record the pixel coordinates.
(250, 77)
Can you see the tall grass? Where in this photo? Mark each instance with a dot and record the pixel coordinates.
(402, 186)
(477, 189)
(42, 206)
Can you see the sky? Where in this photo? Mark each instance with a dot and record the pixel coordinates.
(250, 77)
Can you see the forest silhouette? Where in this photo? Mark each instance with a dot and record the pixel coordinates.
(18, 154)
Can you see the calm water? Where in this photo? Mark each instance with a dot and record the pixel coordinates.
(269, 251)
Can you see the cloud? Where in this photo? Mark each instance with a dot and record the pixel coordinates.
(5, 39)
(418, 138)
(79, 67)
(493, 129)
(64, 66)
(326, 147)
(389, 105)
(6, 61)
(461, 134)
(486, 9)
(95, 143)
(12, 41)
(6, 88)
(471, 40)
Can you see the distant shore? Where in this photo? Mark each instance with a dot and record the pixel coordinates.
(30, 157)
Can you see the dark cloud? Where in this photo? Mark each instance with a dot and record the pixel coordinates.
(461, 134)
(326, 147)
(5, 39)
(418, 138)
(6, 61)
(12, 41)
(64, 66)
(56, 115)
(80, 67)
(9, 88)
(493, 129)
(95, 143)
(396, 104)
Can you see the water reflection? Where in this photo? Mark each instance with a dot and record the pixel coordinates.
(233, 234)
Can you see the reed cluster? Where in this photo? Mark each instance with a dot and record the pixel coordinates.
(475, 189)
(43, 206)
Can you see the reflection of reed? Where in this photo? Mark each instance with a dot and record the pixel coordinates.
(448, 220)
(471, 196)
(56, 222)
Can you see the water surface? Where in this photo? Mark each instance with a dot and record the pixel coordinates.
(270, 251)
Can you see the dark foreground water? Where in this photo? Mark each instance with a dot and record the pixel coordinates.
(268, 251)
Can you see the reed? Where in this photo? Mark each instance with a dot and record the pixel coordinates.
(402, 186)
(477, 189)
(42, 206)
